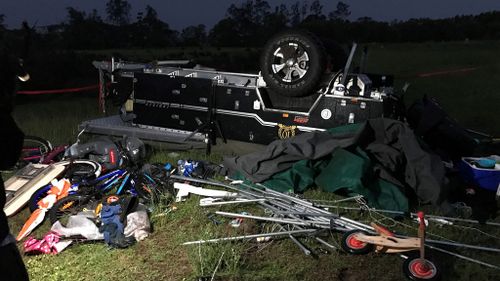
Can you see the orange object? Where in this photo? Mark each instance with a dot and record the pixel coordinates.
(112, 199)
(33, 221)
(58, 190)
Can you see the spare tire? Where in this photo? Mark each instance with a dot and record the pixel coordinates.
(292, 63)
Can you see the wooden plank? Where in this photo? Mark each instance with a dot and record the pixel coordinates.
(390, 242)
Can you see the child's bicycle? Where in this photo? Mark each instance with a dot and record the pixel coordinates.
(417, 265)
(38, 150)
(88, 195)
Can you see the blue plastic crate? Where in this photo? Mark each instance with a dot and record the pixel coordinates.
(484, 178)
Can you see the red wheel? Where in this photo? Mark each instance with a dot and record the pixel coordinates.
(416, 268)
(352, 245)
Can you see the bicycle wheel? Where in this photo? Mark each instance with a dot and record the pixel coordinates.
(34, 149)
(37, 196)
(81, 170)
(55, 155)
(69, 206)
(146, 187)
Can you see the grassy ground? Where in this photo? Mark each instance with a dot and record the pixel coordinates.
(470, 97)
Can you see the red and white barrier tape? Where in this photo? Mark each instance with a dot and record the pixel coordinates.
(59, 91)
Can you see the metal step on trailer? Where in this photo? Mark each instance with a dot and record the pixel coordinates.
(115, 126)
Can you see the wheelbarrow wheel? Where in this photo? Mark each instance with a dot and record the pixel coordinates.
(352, 245)
(416, 268)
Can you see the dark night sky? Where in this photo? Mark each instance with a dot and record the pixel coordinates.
(181, 13)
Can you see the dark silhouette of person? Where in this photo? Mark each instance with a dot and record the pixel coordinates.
(11, 140)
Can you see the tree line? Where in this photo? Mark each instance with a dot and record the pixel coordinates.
(250, 24)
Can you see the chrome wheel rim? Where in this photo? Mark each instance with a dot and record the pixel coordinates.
(290, 62)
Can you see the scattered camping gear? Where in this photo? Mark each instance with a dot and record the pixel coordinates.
(90, 194)
(59, 189)
(378, 159)
(25, 182)
(443, 134)
(77, 227)
(287, 210)
(482, 172)
(49, 244)
(185, 189)
(76, 171)
(34, 150)
(314, 217)
(437, 219)
(138, 225)
(38, 150)
(111, 154)
(289, 97)
(283, 233)
(102, 150)
(112, 226)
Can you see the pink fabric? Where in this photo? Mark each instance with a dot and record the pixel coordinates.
(43, 246)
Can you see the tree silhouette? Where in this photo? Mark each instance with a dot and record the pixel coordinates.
(316, 8)
(2, 26)
(151, 14)
(250, 12)
(86, 30)
(150, 31)
(248, 19)
(118, 11)
(294, 14)
(75, 16)
(341, 12)
(276, 20)
(224, 33)
(315, 14)
(94, 16)
(249, 24)
(194, 35)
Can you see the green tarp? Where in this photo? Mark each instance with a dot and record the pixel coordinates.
(343, 171)
(380, 159)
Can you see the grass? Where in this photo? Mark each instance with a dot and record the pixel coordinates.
(470, 97)
(55, 118)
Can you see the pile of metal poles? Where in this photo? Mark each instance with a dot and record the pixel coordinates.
(305, 217)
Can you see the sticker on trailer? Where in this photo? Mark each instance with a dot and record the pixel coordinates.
(301, 119)
(256, 105)
(285, 132)
(351, 118)
(326, 113)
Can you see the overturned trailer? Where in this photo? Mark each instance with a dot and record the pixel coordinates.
(170, 101)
